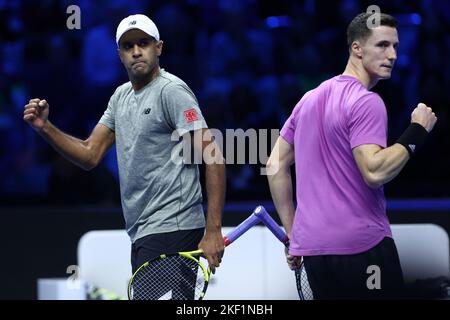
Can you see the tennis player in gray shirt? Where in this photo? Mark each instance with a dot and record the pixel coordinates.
(149, 118)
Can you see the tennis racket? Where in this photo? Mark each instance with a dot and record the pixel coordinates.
(181, 275)
(301, 278)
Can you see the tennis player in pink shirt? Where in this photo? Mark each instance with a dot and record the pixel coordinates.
(336, 137)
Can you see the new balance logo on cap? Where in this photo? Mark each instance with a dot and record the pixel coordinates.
(412, 147)
(137, 21)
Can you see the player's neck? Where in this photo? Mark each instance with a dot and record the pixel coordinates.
(355, 69)
(139, 83)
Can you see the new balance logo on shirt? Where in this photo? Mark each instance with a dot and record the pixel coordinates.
(412, 147)
(147, 111)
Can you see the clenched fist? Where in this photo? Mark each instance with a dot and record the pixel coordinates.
(36, 113)
(424, 116)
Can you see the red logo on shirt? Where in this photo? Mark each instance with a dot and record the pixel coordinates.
(190, 115)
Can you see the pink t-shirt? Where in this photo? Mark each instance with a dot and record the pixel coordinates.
(337, 213)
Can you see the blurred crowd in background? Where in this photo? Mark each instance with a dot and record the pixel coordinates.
(248, 62)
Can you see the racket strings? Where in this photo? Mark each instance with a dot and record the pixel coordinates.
(303, 287)
(172, 278)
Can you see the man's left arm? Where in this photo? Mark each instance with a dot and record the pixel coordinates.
(212, 242)
(184, 114)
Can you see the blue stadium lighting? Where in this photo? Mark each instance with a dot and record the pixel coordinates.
(416, 19)
(402, 60)
(410, 19)
(419, 204)
(392, 204)
(278, 22)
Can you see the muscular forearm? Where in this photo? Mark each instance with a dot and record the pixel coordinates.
(386, 164)
(281, 190)
(73, 149)
(215, 188)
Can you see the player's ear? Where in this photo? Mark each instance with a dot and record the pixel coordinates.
(159, 46)
(356, 48)
(120, 56)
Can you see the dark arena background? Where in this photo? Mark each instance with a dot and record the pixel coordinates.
(248, 62)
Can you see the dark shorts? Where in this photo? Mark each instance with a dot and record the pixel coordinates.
(153, 245)
(373, 274)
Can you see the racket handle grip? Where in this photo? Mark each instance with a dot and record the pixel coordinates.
(241, 229)
(262, 214)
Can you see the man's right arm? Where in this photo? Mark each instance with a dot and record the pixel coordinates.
(280, 181)
(84, 153)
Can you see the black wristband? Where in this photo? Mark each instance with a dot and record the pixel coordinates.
(413, 137)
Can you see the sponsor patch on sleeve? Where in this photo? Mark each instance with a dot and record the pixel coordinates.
(190, 115)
